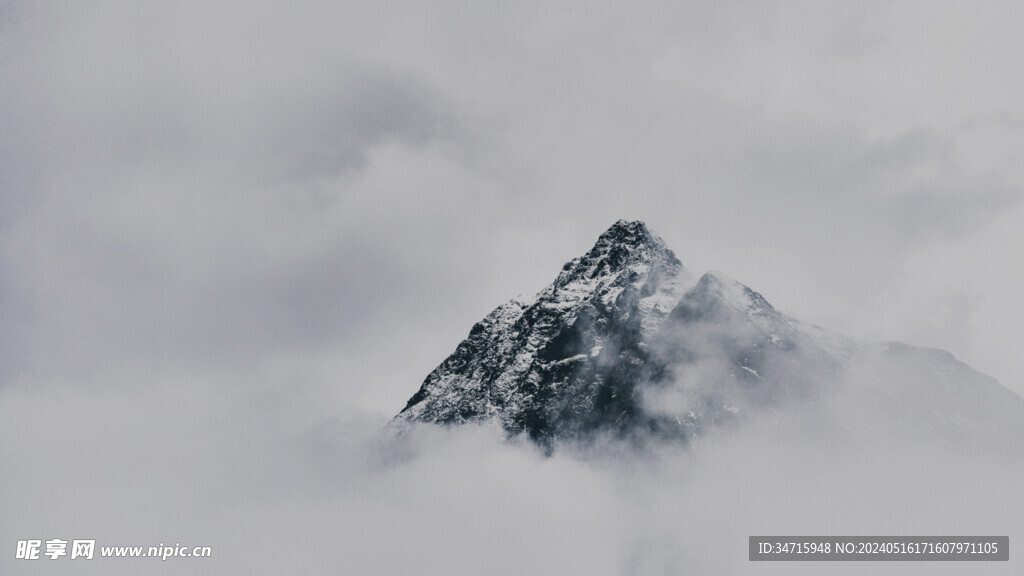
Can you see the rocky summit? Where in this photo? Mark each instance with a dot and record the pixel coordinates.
(626, 343)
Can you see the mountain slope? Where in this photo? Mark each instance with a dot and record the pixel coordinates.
(626, 343)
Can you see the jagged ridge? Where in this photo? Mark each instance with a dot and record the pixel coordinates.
(625, 343)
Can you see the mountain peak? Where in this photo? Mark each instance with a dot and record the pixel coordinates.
(626, 343)
(726, 288)
(716, 294)
(629, 232)
(630, 235)
(529, 361)
(624, 247)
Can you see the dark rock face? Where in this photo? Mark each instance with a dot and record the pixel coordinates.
(626, 343)
(569, 360)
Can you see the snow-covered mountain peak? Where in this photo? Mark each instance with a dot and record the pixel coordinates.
(633, 233)
(717, 296)
(626, 343)
(626, 251)
(628, 268)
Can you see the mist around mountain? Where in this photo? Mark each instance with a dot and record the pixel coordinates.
(546, 461)
(634, 418)
(627, 345)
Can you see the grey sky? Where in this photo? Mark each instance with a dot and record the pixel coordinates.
(311, 203)
(193, 182)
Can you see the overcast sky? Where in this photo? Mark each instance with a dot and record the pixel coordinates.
(191, 185)
(311, 203)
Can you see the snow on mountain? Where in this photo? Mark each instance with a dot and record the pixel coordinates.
(625, 343)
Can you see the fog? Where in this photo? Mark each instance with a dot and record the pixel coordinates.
(275, 489)
(235, 237)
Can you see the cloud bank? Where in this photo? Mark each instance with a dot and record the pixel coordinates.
(272, 489)
(234, 236)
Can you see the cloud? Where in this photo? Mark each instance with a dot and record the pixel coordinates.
(219, 147)
(272, 485)
(169, 204)
(323, 139)
(229, 231)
